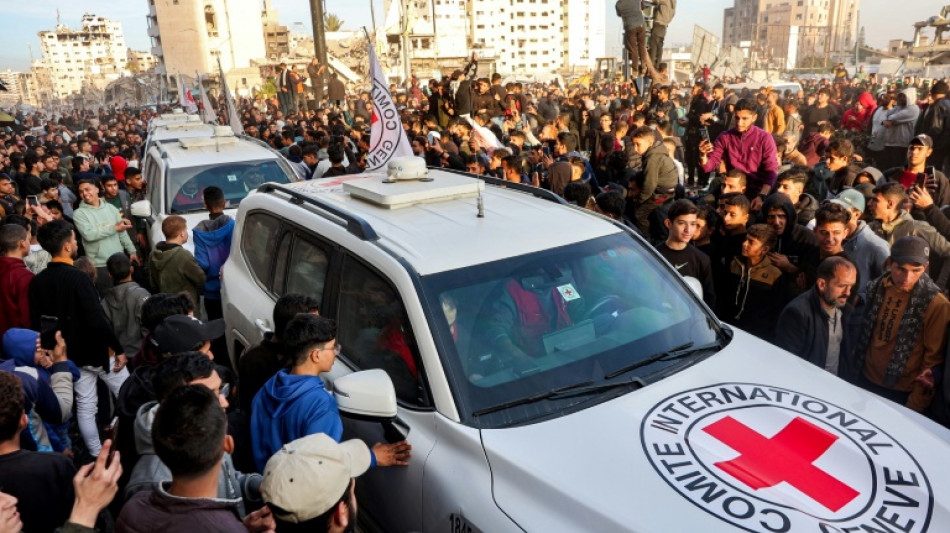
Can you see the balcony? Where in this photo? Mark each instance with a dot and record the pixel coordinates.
(153, 31)
(157, 51)
(151, 10)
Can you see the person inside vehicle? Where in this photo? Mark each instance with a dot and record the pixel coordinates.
(530, 307)
(252, 179)
(188, 197)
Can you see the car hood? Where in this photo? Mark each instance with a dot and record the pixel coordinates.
(751, 438)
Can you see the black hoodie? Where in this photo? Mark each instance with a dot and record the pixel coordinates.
(797, 240)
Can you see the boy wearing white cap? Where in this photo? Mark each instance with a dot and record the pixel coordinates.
(309, 483)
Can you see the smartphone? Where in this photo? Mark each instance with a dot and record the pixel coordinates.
(112, 433)
(704, 133)
(546, 150)
(33, 200)
(49, 325)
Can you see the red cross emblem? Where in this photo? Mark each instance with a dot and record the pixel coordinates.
(787, 456)
(373, 118)
(568, 292)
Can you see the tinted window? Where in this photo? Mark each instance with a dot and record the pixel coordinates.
(258, 242)
(374, 329)
(308, 270)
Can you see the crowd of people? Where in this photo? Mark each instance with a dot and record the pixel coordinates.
(813, 220)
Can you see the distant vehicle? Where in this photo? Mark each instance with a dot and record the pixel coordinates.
(780, 86)
(177, 171)
(174, 126)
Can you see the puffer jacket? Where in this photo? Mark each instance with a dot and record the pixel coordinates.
(904, 119)
(123, 306)
(149, 470)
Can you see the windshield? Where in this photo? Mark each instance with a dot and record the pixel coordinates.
(519, 327)
(236, 180)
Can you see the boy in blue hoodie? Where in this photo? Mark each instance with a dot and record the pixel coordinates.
(212, 240)
(294, 403)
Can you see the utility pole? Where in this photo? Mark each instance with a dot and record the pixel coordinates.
(319, 41)
(404, 42)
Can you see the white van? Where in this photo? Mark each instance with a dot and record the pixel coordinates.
(554, 374)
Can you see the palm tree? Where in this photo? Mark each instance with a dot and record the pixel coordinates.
(332, 22)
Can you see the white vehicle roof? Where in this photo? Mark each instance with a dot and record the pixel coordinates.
(447, 234)
(178, 125)
(781, 86)
(208, 149)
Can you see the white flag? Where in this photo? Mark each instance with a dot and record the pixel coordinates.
(233, 118)
(185, 99)
(207, 112)
(387, 137)
(486, 139)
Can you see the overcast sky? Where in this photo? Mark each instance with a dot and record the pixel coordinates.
(22, 20)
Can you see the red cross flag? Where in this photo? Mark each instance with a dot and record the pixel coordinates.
(185, 98)
(387, 137)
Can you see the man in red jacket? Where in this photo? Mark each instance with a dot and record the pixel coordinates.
(14, 278)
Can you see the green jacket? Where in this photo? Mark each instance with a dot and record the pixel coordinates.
(173, 269)
(99, 237)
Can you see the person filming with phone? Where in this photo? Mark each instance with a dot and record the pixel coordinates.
(745, 147)
(917, 172)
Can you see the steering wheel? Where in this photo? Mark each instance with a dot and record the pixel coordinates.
(605, 311)
(606, 305)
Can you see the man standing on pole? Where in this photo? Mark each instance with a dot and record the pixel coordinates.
(665, 10)
(284, 96)
(316, 70)
(634, 33)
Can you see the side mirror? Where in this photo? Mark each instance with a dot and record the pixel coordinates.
(141, 209)
(694, 284)
(369, 395)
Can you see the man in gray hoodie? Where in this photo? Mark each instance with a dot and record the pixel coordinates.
(123, 303)
(634, 32)
(189, 368)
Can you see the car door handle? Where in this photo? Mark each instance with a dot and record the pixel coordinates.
(262, 326)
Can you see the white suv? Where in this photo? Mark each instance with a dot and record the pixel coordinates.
(555, 374)
(177, 170)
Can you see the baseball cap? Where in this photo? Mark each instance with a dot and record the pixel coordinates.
(850, 198)
(306, 477)
(181, 333)
(923, 139)
(910, 249)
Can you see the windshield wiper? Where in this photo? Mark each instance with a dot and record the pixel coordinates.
(584, 387)
(678, 352)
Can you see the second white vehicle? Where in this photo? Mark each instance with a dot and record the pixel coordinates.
(178, 170)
